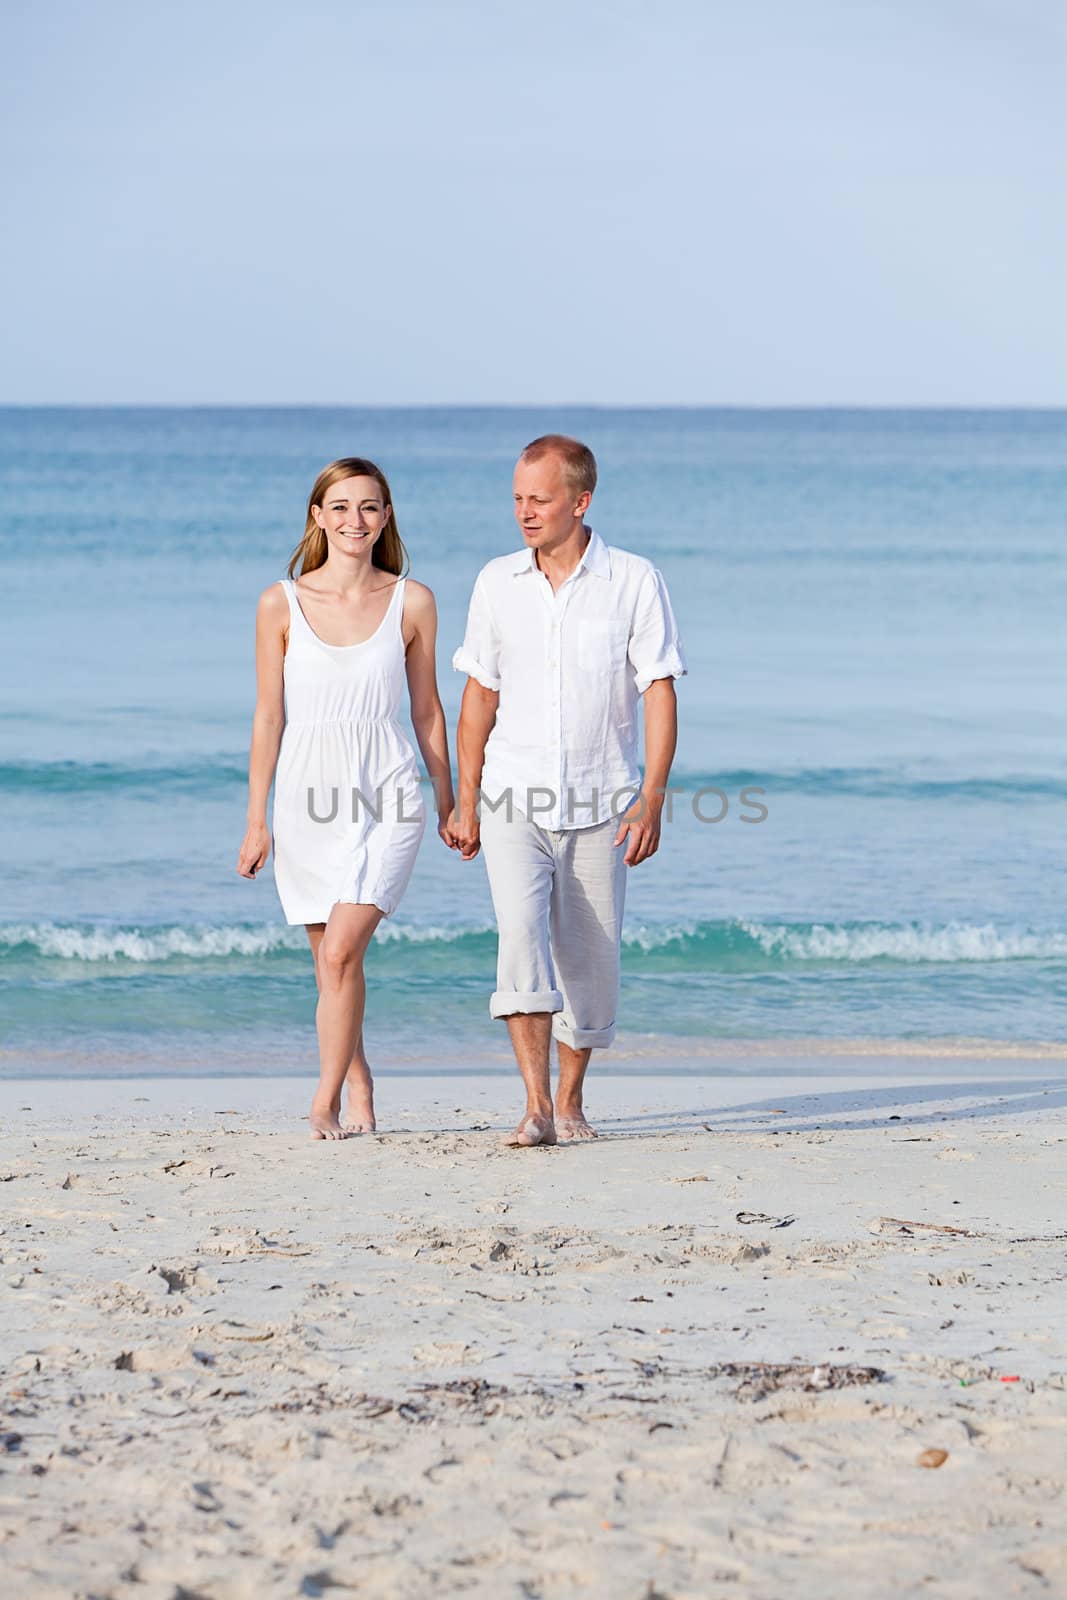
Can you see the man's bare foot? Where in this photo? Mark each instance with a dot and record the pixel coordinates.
(572, 1125)
(533, 1129)
(359, 1110)
(325, 1123)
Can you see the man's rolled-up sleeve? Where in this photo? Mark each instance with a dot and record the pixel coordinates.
(655, 648)
(479, 654)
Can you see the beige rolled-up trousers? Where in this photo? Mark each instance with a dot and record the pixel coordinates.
(558, 898)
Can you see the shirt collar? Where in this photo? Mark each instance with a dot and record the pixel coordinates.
(595, 559)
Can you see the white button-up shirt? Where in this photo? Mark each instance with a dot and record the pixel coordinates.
(570, 667)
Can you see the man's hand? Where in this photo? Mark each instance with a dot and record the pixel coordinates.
(466, 830)
(641, 822)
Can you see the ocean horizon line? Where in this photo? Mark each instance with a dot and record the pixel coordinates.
(796, 408)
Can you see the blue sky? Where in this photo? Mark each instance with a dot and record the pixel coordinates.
(836, 202)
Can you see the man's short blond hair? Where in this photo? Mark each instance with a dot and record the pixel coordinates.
(577, 460)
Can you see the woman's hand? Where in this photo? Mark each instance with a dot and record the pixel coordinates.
(466, 830)
(255, 850)
(445, 829)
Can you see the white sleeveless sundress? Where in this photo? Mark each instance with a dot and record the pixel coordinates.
(348, 812)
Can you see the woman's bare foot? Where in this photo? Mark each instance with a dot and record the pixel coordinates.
(359, 1111)
(571, 1124)
(535, 1128)
(324, 1122)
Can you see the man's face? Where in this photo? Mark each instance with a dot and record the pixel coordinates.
(546, 508)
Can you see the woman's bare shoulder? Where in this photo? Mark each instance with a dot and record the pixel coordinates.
(418, 598)
(273, 604)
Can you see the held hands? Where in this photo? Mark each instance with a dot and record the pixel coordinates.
(465, 829)
(445, 801)
(445, 798)
(641, 821)
(446, 831)
(255, 850)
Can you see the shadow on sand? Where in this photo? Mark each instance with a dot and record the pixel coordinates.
(910, 1105)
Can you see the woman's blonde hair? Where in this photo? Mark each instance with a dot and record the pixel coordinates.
(388, 552)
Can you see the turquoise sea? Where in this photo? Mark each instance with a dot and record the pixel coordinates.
(872, 605)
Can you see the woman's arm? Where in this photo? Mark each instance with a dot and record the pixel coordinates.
(427, 713)
(272, 619)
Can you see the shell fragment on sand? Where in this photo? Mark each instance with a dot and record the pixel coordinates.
(746, 1218)
(898, 1225)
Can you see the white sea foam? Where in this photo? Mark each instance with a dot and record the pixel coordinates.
(102, 943)
(703, 944)
(661, 934)
(411, 933)
(914, 942)
(203, 943)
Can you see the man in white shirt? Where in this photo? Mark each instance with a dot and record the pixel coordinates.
(563, 638)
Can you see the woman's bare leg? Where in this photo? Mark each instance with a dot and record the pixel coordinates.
(359, 1112)
(339, 1014)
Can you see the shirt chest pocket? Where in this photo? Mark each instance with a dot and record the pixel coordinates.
(602, 645)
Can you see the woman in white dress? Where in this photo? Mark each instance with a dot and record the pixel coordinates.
(333, 649)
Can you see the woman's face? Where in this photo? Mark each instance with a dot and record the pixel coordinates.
(352, 516)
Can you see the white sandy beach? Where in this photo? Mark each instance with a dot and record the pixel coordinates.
(238, 1363)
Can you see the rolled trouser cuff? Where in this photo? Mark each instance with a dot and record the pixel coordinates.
(582, 1038)
(505, 1002)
